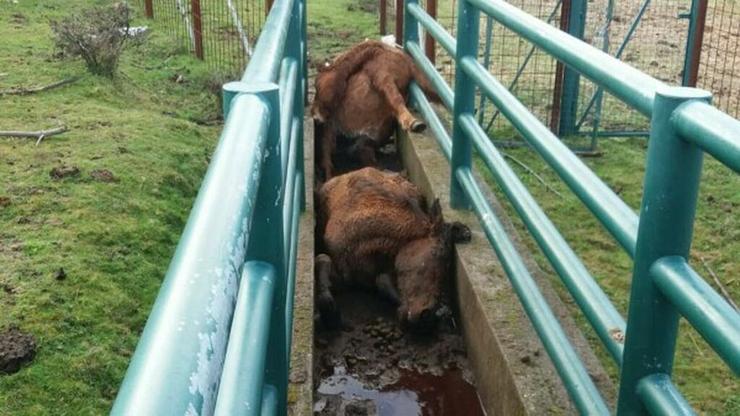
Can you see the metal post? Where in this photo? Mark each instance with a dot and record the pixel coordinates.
(299, 101)
(383, 17)
(487, 65)
(411, 25)
(399, 20)
(467, 47)
(694, 42)
(430, 44)
(197, 28)
(266, 245)
(666, 222)
(149, 9)
(571, 78)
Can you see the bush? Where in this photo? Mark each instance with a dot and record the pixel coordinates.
(97, 35)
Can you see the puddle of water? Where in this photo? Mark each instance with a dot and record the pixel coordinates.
(415, 394)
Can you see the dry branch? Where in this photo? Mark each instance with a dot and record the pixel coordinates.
(719, 284)
(39, 135)
(528, 169)
(27, 91)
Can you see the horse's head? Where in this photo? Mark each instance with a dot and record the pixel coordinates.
(422, 267)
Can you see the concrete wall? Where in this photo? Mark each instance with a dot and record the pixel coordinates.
(514, 375)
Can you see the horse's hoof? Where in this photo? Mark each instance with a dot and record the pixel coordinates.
(418, 126)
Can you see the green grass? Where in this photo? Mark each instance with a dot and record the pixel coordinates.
(333, 25)
(114, 240)
(706, 382)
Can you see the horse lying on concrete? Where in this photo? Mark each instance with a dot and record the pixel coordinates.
(377, 233)
(361, 96)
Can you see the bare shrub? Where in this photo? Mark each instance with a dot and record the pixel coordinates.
(97, 35)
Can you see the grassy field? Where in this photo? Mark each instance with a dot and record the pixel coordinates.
(113, 239)
(707, 383)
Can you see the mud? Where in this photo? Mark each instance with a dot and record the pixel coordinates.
(16, 349)
(103, 175)
(62, 172)
(372, 367)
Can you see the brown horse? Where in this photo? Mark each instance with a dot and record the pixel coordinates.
(362, 96)
(378, 234)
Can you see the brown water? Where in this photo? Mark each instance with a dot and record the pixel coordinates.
(414, 394)
(372, 368)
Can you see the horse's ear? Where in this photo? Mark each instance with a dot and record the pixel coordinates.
(435, 213)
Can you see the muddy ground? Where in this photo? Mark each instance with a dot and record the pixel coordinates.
(16, 349)
(371, 367)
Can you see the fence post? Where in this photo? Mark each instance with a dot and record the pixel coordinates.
(265, 245)
(383, 9)
(571, 78)
(429, 42)
(694, 42)
(557, 91)
(669, 199)
(148, 9)
(410, 25)
(467, 47)
(197, 28)
(400, 10)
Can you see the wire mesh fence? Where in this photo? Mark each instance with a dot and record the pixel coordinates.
(649, 35)
(720, 58)
(221, 32)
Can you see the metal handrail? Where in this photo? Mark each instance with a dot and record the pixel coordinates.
(237, 253)
(684, 125)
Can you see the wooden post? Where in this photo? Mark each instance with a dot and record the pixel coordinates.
(430, 44)
(268, 6)
(383, 17)
(149, 9)
(558, 89)
(694, 42)
(197, 28)
(399, 21)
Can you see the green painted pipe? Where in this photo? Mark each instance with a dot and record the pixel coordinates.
(618, 218)
(435, 124)
(672, 177)
(440, 86)
(569, 366)
(708, 313)
(661, 397)
(177, 362)
(606, 321)
(240, 389)
(432, 27)
(709, 128)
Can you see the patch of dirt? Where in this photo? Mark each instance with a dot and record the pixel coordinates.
(4, 201)
(61, 172)
(371, 366)
(60, 274)
(18, 19)
(103, 175)
(365, 6)
(16, 349)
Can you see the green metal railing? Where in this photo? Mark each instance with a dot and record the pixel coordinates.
(218, 338)
(683, 126)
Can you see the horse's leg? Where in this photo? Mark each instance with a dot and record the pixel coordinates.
(328, 309)
(384, 83)
(386, 288)
(363, 150)
(328, 145)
